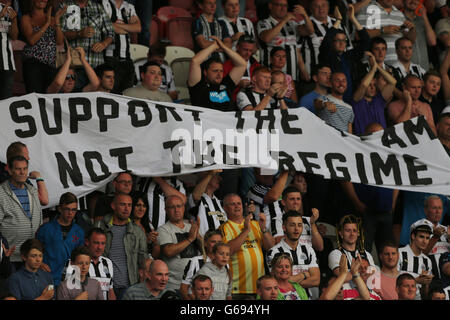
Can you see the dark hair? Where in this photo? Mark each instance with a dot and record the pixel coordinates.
(122, 172)
(275, 50)
(246, 38)
(289, 214)
(143, 68)
(388, 243)
(83, 250)
(315, 68)
(403, 277)
(16, 158)
(377, 40)
(397, 42)
(207, 63)
(94, 230)
(289, 189)
(211, 233)
(436, 286)
(430, 73)
(100, 69)
(158, 49)
(29, 245)
(14, 149)
(201, 278)
(145, 220)
(67, 198)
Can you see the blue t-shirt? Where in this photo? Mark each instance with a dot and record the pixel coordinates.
(307, 101)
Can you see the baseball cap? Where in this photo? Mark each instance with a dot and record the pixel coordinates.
(446, 110)
(421, 225)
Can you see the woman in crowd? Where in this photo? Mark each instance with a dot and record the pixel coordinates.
(42, 34)
(281, 267)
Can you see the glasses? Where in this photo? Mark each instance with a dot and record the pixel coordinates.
(71, 77)
(124, 182)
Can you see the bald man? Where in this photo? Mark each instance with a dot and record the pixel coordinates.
(126, 243)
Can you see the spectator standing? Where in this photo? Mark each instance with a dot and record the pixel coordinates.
(124, 21)
(236, 26)
(321, 75)
(8, 31)
(61, 236)
(20, 208)
(42, 33)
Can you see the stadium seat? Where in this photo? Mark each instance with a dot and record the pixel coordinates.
(188, 5)
(155, 31)
(180, 68)
(251, 15)
(138, 51)
(169, 13)
(179, 32)
(174, 52)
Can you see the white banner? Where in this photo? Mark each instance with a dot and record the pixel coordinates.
(79, 142)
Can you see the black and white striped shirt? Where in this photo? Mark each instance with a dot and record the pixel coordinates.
(120, 48)
(311, 44)
(192, 267)
(286, 39)
(6, 51)
(247, 98)
(243, 25)
(408, 262)
(210, 212)
(102, 272)
(168, 82)
(156, 197)
(399, 72)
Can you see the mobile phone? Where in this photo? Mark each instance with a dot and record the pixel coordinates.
(50, 287)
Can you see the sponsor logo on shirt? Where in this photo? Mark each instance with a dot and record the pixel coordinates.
(219, 97)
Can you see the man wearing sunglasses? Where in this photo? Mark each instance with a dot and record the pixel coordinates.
(61, 236)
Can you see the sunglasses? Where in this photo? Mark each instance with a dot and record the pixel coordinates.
(71, 76)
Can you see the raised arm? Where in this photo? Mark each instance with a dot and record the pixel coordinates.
(365, 82)
(60, 77)
(240, 65)
(277, 189)
(94, 82)
(195, 69)
(201, 186)
(268, 35)
(168, 189)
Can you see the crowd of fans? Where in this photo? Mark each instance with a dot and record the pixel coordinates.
(360, 66)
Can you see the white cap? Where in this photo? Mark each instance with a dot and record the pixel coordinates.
(446, 110)
(422, 225)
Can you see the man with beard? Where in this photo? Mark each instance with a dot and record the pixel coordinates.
(412, 258)
(209, 88)
(332, 108)
(305, 270)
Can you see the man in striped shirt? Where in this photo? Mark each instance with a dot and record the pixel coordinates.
(204, 204)
(280, 29)
(413, 260)
(382, 18)
(247, 238)
(236, 26)
(305, 270)
(125, 21)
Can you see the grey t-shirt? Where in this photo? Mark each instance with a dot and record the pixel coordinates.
(171, 234)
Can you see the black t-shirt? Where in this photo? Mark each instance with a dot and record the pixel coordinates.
(212, 96)
(436, 105)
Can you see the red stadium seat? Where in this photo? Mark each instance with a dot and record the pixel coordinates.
(251, 15)
(188, 5)
(179, 32)
(156, 31)
(168, 13)
(19, 84)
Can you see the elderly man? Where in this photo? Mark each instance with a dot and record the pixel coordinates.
(246, 238)
(154, 285)
(151, 79)
(177, 238)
